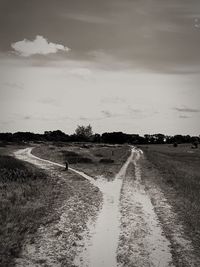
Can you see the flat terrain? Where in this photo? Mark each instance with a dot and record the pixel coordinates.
(115, 206)
(179, 170)
(95, 160)
(35, 200)
(176, 171)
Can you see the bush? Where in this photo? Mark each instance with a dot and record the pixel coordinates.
(84, 160)
(99, 155)
(69, 153)
(75, 160)
(73, 157)
(195, 144)
(175, 144)
(105, 160)
(3, 144)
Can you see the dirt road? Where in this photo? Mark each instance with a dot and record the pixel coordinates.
(126, 231)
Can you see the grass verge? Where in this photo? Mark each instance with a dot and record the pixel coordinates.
(24, 200)
(179, 178)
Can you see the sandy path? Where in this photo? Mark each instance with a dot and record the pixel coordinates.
(142, 240)
(26, 155)
(102, 243)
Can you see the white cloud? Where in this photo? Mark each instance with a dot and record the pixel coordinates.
(40, 46)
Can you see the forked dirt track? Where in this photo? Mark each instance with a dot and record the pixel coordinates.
(126, 231)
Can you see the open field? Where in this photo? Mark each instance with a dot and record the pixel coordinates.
(176, 170)
(23, 203)
(115, 206)
(93, 159)
(32, 199)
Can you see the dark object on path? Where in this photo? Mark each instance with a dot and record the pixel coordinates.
(66, 165)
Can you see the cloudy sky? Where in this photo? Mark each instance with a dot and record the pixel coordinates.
(131, 65)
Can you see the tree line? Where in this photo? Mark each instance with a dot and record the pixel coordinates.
(85, 134)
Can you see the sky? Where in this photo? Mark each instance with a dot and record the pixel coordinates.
(131, 65)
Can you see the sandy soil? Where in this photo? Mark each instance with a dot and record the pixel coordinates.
(142, 240)
(102, 239)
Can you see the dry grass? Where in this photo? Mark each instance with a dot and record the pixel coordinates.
(23, 195)
(179, 170)
(79, 155)
(30, 198)
(74, 158)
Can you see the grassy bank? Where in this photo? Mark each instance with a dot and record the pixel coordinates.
(93, 159)
(24, 201)
(179, 177)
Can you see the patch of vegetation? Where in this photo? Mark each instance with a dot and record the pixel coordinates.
(23, 201)
(83, 158)
(74, 158)
(3, 144)
(79, 159)
(85, 146)
(180, 170)
(69, 153)
(52, 148)
(99, 155)
(107, 161)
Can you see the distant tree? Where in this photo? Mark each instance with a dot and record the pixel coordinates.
(96, 138)
(114, 138)
(57, 135)
(147, 138)
(159, 138)
(23, 136)
(120, 138)
(84, 133)
(179, 139)
(6, 137)
(134, 139)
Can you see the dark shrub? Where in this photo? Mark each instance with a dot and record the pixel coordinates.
(195, 144)
(3, 144)
(99, 155)
(86, 146)
(104, 160)
(84, 160)
(69, 153)
(73, 157)
(175, 144)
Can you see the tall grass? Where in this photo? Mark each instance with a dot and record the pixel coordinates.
(180, 171)
(22, 205)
